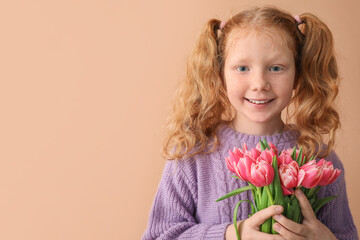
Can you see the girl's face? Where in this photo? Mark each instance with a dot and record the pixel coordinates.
(259, 72)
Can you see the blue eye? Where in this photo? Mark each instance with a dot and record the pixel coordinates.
(242, 68)
(276, 69)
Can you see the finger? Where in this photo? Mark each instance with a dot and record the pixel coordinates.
(290, 225)
(285, 232)
(260, 217)
(305, 206)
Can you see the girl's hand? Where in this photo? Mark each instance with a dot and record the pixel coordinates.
(311, 227)
(249, 228)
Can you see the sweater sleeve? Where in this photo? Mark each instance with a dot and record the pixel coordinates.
(336, 214)
(172, 215)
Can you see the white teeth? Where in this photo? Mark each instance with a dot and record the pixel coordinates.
(258, 102)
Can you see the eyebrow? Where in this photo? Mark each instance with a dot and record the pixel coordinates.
(271, 58)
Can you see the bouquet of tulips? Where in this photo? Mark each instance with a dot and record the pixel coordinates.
(272, 178)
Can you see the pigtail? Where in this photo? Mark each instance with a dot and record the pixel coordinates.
(316, 88)
(200, 101)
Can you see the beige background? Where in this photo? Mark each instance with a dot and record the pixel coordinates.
(84, 92)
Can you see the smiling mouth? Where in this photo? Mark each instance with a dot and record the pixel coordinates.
(259, 101)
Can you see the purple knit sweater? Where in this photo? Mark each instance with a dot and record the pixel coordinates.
(184, 206)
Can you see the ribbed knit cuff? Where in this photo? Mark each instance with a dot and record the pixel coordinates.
(216, 231)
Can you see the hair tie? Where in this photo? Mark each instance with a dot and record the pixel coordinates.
(222, 25)
(298, 20)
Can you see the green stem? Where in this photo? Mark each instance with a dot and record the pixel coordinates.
(258, 192)
(269, 194)
(293, 195)
(311, 191)
(235, 216)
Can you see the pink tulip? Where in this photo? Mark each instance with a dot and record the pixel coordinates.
(232, 160)
(267, 155)
(290, 176)
(244, 148)
(254, 153)
(243, 167)
(313, 174)
(230, 163)
(258, 146)
(329, 173)
(234, 157)
(272, 147)
(284, 158)
(261, 174)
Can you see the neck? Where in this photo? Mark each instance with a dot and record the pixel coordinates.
(258, 129)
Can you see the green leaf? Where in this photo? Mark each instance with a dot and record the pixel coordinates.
(289, 211)
(235, 192)
(263, 147)
(266, 226)
(285, 204)
(263, 200)
(312, 199)
(272, 231)
(296, 210)
(293, 154)
(234, 176)
(278, 194)
(272, 188)
(321, 202)
(317, 189)
(312, 191)
(299, 158)
(266, 144)
(303, 162)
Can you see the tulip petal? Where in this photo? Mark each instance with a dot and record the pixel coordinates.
(287, 191)
(312, 177)
(238, 153)
(240, 170)
(229, 164)
(300, 177)
(261, 174)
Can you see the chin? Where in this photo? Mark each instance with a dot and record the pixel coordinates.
(260, 120)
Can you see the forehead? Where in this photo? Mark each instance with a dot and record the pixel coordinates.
(275, 39)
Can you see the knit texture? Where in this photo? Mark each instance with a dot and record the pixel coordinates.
(184, 206)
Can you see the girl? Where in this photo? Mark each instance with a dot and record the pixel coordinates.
(241, 76)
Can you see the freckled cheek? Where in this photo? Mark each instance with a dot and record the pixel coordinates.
(284, 88)
(235, 97)
(287, 95)
(232, 88)
(235, 90)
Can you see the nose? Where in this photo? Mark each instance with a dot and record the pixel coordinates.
(259, 82)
